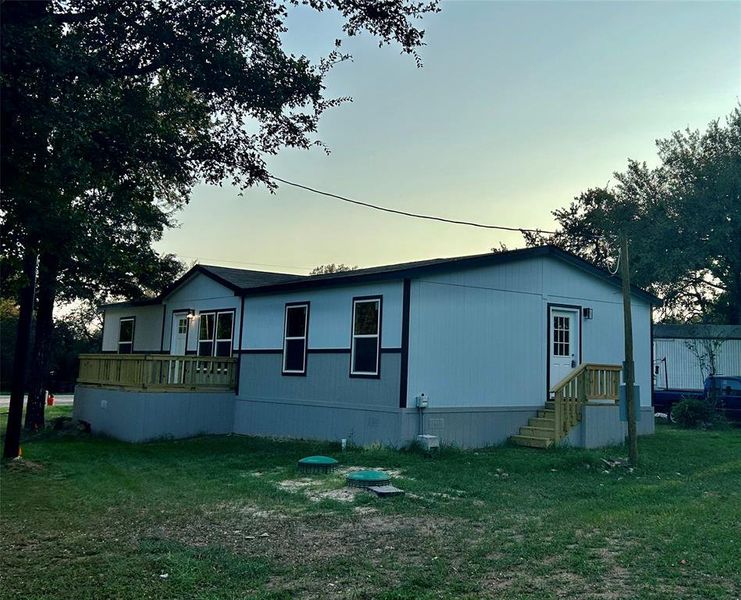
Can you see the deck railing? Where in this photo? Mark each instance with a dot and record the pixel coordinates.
(158, 372)
(585, 383)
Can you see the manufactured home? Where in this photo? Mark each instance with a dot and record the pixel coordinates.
(525, 344)
(684, 355)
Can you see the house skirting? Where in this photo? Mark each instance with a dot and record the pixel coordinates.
(464, 427)
(601, 426)
(139, 416)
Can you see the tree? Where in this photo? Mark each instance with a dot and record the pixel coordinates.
(683, 219)
(706, 351)
(331, 268)
(112, 111)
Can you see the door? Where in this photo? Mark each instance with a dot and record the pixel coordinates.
(178, 341)
(563, 342)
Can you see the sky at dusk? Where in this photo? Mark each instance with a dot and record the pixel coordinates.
(519, 107)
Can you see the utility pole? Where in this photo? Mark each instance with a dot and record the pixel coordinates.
(628, 365)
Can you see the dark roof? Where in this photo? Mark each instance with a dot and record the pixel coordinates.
(238, 280)
(244, 279)
(418, 268)
(697, 331)
(248, 283)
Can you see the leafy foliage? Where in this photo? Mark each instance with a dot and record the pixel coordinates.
(80, 331)
(692, 412)
(683, 219)
(113, 110)
(331, 268)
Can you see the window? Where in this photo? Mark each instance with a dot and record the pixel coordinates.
(215, 333)
(561, 336)
(729, 387)
(366, 337)
(294, 339)
(126, 335)
(224, 328)
(206, 334)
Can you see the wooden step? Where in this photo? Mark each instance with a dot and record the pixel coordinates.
(546, 413)
(532, 442)
(540, 432)
(547, 422)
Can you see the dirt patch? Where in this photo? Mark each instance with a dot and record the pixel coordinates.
(365, 510)
(245, 510)
(346, 494)
(20, 464)
(319, 489)
(310, 539)
(296, 485)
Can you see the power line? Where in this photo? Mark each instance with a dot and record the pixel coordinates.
(409, 214)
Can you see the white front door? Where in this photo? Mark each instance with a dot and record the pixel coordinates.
(179, 334)
(563, 342)
(178, 341)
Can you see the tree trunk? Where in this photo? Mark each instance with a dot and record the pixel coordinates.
(20, 366)
(41, 355)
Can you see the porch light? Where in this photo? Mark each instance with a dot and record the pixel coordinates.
(587, 312)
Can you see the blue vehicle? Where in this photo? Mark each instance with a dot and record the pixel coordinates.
(723, 391)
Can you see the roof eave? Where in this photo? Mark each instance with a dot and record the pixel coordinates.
(451, 265)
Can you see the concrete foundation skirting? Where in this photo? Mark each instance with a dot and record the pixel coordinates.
(317, 421)
(601, 426)
(464, 427)
(473, 427)
(135, 416)
(138, 416)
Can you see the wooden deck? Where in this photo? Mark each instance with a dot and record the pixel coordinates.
(158, 372)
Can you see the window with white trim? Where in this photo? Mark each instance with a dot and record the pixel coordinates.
(126, 335)
(215, 333)
(366, 337)
(295, 332)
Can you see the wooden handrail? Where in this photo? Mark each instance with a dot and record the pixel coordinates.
(160, 372)
(587, 382)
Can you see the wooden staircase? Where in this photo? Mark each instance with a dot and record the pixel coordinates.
(540, 431)
(559, 414)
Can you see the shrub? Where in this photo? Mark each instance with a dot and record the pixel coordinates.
(692, 412)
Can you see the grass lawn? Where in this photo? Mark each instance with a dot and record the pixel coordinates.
(229, 517)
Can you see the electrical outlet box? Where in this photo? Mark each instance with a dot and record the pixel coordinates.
(422, 401)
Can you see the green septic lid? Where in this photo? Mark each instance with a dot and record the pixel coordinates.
(317, 464)
(367, 478)
(318, 460)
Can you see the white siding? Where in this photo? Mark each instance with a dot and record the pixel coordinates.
(201, 294)
(680, 368)
(602, 337)
(330, 316)
(147, 327)
(478, 337)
